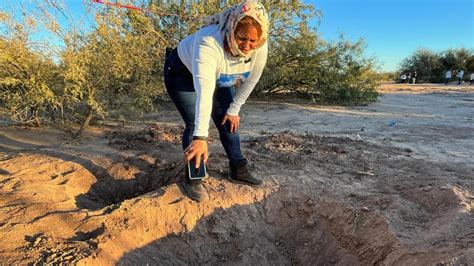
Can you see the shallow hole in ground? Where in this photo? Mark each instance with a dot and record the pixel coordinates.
(284, 229)
(288, 228)
(154, 161)
(126, 182)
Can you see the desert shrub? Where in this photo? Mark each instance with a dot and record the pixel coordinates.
(387, 76)
(297, 55)
(427, 65)
(325, 72)
(432, 66)
(28, 80)
(113, 67)
(470, 64)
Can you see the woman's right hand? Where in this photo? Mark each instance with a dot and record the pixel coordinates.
(198, 150)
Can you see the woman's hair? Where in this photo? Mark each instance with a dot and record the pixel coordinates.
(249, 21)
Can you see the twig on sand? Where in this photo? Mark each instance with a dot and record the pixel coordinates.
(355, 221)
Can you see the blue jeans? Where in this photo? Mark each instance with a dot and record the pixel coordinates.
(180, 88)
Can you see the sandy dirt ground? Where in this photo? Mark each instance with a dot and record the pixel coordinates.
(391, 183)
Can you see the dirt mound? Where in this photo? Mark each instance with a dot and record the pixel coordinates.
(326, 200)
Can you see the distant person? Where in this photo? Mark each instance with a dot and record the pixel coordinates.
(448, 77)
(413, 78)
(471, 79)
(460, 76)
(408, 78)
(403, 78)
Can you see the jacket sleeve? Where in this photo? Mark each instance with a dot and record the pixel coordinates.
(205, 60)
(248, 86)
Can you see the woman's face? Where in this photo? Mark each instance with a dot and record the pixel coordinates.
(246, 37)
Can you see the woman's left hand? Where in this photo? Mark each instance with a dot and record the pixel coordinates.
(234, 121)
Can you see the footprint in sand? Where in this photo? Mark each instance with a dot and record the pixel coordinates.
(61, 178)
(9, 184)
(4, 172)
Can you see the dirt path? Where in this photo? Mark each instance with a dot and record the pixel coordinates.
(390, 183)
(435, 126)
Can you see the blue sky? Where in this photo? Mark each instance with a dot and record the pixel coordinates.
(392, 29)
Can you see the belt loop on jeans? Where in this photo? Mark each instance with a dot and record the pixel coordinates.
(168, 51)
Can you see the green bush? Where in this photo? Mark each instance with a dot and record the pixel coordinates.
(114, 68)
(431, 66)
(328, 73)
(28, 82)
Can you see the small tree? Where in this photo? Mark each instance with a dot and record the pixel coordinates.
(28, 80)
(114, 67)
(112, 70)
(426, 63)
(448, 59)
(321, 71)
(470, 64)
(431, 66)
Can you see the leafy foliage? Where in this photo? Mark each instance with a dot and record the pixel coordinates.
(432, 66)
(28, 83)
(114, 68)
(324, 72)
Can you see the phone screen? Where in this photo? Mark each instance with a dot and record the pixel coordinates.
(196, 173)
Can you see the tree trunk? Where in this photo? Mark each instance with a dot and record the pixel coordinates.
(85, 123)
